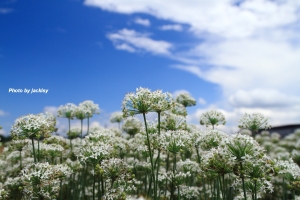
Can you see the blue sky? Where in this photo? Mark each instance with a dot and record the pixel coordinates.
(234, 56)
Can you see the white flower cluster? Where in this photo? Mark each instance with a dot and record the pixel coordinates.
(144, 101)
(85, 109)
(209, 139)
(30, 126)
(117, 174)
(80, 112)
(254, 122)
(116, 117)
(42, 179)
(172, 122)
(212, 118)
(161, 101)
(100, 135)
(176, 178)
(217, 160)
(90, 108)
(174, 141)
(241, 146)
(289, 167)
(189, 192)
(137, 144)
(67, 111)
(179, 109)
(186, 100)
(189, 165)
(132, 126)
(93, 152)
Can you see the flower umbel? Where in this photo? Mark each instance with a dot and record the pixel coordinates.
(136, 103)
(212, 118)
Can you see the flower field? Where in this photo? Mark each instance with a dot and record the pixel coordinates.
(162, 159)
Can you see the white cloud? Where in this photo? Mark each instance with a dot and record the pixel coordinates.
(2, 113)
(5, 10)
(51, 109)
(174, 27)
(249, 48)
(249, 63)
(143, 22)
(131, 41)
(262, 98)
(221, 17)
(201, 101)
(125, 47)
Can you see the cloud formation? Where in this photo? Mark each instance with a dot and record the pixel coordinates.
(249, 48)
(143, 22)
(132, 41)
(2, 113)
(4, 11)
(171, 27)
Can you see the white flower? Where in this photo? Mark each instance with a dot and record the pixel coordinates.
(67, 110)
(90, 108)
(254, 122)
(93, 152)
(30, 126)
(209, 139)
(42, 179)
(144, 101)
(172, 121)
(212, 118)
(161, 101)
(132, 126)
(136, 103)
(116, 117)
(174, 141)
(186, 100)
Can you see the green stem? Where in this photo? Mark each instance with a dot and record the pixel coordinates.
(157, 160)
(218, 188)
(221, 185)
(81, 129)
(69, 120)
(38, 150)
(33, 150)
(178, 192)
(172, 184)
(99, 193)
(88, 128)
(167, 169)
(198, 155)
(60, 191)
(283, 189)
(223, 190)
(294, 196)
(150, 153)
(255, 193)
(102, 185)
(243, 181)
(20, 160)
(94, 180)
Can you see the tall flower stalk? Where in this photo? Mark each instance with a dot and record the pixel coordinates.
(32, 127)
(90, 109)
(67, 111)
(80, 114)
(142, 102)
